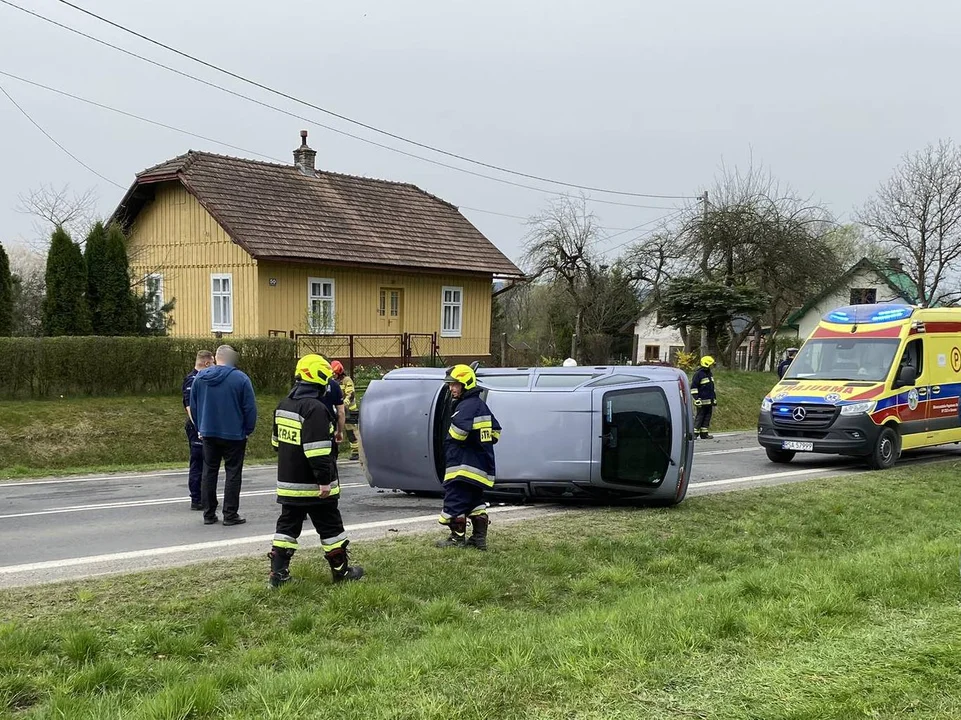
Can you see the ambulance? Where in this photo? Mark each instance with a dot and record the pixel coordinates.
(870, 381)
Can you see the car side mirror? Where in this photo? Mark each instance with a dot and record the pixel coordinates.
(907, 376)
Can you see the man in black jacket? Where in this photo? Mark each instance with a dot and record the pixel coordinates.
(786, 362)
(306, 479)
(204, 360)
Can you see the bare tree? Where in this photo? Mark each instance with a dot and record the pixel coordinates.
(754, 234)
(916, 215)
(559, 249)
(59, 207)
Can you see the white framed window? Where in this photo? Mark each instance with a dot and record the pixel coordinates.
(320, 305)
(153, 291)
(222, 302)
(452, 311)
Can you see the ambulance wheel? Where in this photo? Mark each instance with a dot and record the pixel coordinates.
(886, 450)
(776, 455)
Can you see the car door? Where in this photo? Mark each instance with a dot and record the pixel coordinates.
(913, 402)
(943, 355)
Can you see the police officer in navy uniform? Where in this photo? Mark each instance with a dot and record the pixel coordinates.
(307, 484)
(204, 360)
(705, 398)
(469, 455)
(786, 362)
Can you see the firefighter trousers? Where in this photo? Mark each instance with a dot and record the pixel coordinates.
(702, 420)
(462, 498)
(326, 520)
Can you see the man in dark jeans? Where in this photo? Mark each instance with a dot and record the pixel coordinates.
(204, 360)
(223, 407)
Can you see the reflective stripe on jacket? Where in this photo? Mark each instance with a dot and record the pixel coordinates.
(301, 436)
(469, 445)
(702, 386)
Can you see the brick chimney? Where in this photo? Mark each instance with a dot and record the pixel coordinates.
(895, 264)
(304, 157)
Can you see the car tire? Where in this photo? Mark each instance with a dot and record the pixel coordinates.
(886, 450)
(776, 455)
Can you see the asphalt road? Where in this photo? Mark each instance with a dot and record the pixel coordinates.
(62, 528)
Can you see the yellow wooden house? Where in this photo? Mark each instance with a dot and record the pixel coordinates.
(248, 248)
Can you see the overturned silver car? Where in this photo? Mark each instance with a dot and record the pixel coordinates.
(574, 432)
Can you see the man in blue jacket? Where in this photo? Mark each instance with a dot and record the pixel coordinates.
(224, 410)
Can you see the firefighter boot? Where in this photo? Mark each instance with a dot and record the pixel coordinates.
(279, 564)
(458, 532)
(340, 567)
(705, 435)
(478, 538)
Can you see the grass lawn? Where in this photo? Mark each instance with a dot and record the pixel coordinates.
(830, 599)
(44, 437)
(739, 397)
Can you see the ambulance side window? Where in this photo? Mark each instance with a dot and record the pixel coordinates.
(913, 356)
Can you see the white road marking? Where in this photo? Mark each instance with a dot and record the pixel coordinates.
(172, 549)
(769, 476)
(141, 503)
(726, 452)
(133, 476)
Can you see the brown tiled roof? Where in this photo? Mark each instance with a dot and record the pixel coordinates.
(275, 212)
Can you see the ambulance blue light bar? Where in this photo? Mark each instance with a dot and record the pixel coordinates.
(869, 314)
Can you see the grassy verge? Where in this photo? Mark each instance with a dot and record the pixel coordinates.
(43, 437)
(836, 599)
(739, 399)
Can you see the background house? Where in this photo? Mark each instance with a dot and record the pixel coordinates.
(653, 343)
(866, 282)
(250, 248)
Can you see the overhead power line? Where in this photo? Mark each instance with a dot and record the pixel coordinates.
(134, 116)
(247, 151)
(358, 123)
(665, 218)
(288, 113)
(52, 139)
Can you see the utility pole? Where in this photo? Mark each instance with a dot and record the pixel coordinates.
(705, 204)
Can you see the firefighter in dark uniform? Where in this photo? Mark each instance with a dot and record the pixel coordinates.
(786, 362)
(307, 483)
(705, 398)
(469, 454)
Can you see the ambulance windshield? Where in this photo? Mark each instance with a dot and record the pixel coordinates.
(856, 359)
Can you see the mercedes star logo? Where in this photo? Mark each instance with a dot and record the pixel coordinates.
(799, 413)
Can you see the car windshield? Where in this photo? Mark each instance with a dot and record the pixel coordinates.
(864, 359)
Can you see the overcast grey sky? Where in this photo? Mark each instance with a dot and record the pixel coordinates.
(636, 95)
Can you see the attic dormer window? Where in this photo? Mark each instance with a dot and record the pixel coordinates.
(864, 296)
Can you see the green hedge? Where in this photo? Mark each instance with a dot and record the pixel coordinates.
(98, 366)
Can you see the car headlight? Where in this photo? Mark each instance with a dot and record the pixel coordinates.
(766, 405)
(860, 408)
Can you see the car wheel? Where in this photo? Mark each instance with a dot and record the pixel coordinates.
(886, 450)
(776, 455)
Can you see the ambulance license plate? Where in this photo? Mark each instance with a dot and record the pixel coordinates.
(799, 446)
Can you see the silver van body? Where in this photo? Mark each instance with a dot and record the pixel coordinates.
(610, 432)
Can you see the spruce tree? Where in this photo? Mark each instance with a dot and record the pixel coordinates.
(65, 310)
(109, 295)
(6, 295)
